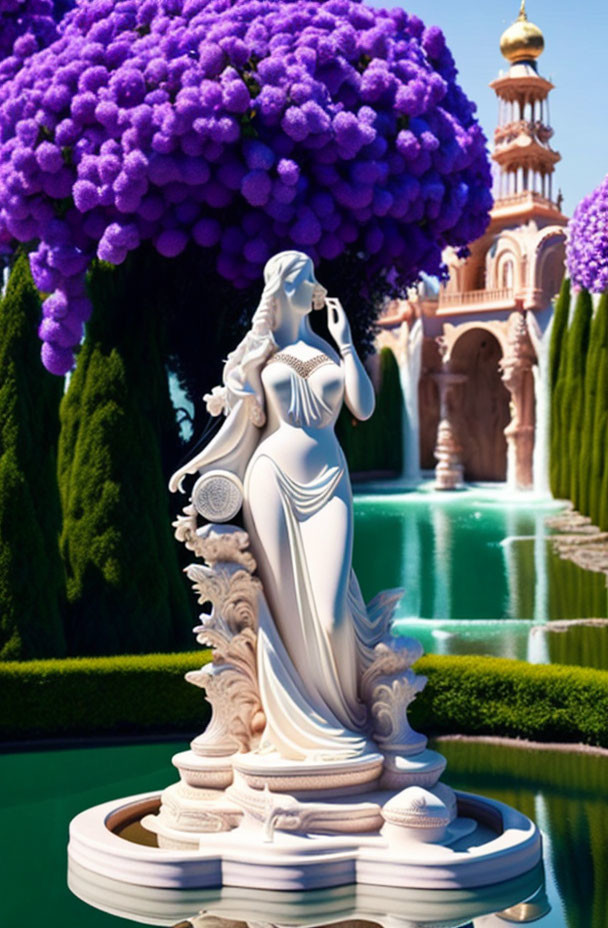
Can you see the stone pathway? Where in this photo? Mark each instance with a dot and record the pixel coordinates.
(580, 541)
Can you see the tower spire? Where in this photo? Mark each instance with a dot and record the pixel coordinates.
(522, 151)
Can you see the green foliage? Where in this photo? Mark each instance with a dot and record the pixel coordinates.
(598, 342)
(470, 695)
(601, 519)
(101, 695)
(31, 575)
(579, 406)
(598, 469)
(377, 444)
(497, 696)
(574, 390)
(125, 591)
(557, 367)
(559, 329)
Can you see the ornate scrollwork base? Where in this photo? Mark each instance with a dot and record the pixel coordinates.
(230, 682)
(389, 686)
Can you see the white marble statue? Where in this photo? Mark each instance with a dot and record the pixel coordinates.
(308, 774)
(283, 390)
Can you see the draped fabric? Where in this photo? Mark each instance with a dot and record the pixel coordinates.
(310, 712)
(306, 407)
(314, 629)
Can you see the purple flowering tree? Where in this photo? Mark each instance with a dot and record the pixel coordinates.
(587, 248)
(25, 27)
(244, 127)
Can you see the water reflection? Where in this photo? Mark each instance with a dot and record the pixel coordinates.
(480, 576)
(357, 906)
(566, 794)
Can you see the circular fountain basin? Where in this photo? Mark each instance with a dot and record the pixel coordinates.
(108, 840)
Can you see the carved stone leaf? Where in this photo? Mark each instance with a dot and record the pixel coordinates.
(389, 705)
(230, 629)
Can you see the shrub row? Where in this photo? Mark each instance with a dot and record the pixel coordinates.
(100, 696)
(147, 694)
(497, 696)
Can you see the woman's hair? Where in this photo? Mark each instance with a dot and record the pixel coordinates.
(241, 375)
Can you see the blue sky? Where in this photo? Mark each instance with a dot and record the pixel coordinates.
(575, 59)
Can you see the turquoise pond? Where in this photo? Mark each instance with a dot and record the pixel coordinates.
(566, 794)
(479, 574)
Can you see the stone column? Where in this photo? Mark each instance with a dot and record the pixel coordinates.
(516, 368)
(448, 451)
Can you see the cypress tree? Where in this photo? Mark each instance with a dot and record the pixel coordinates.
(390, 413)
(573, 397)
(125, 590)
(377, 444)
(598, 450)
(596, 401)
(31, 574)
(601, 519)
(557, 369)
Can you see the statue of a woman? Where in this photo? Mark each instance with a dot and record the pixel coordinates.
(283, 389)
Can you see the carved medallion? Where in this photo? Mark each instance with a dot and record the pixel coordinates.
(218, 496)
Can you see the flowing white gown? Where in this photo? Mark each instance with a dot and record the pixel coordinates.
(314, 629)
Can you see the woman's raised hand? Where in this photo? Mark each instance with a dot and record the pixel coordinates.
(337, 323)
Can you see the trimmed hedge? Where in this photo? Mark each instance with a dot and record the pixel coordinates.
(100, 696)
(498, 696)
(147, 694)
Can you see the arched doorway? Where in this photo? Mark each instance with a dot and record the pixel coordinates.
(480, 406)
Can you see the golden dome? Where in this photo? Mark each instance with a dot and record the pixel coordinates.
(522, 41)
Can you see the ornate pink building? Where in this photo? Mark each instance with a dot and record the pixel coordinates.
(482, 330)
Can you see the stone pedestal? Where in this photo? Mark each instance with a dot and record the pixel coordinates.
(226, 779)
(516, 367)
(449, 474)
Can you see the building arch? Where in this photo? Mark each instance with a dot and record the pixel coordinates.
(481, 404)
(507, 250)
(452, 334)
(549, 260)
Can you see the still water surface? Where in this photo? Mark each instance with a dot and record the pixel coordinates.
(480, 575)
(567, 795)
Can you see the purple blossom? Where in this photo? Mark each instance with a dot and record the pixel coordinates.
(236, 97)
(207, 232)
(295, 124)
(307, 229)
(85, 195)
(327, 125)
(27, 26)
(258, 156)
(57, 360)
(171, 242)
(49, 157)
(256, 187)
(587, 246)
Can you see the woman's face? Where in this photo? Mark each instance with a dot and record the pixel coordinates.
(301, 288)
